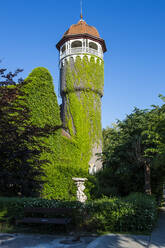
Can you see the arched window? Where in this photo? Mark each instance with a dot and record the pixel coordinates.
(63, 48)
(93, 45)
(76, 43)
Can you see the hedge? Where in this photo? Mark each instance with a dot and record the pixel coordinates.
(136, 213)
(64, 157)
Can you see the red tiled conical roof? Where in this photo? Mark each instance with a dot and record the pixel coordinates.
(82, 28)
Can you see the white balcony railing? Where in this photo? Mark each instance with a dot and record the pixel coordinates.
(81, 50)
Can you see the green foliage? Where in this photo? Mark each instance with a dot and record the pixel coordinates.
(84, 86)
(85, 75)
(12, 208)
(128, 147)
(69, 157)
(65, 157)
(134, 213)
(20, 165)
(42, 102)
(41, 98)
(145, 211)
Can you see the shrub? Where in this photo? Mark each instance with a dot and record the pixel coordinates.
(64, 158)
(145, 210)
(13, 207)
(136, 213)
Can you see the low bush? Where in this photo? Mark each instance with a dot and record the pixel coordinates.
(135, 213)
(12, 208)
(145, 208)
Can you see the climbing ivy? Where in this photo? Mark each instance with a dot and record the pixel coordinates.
(85, 74)
(83, 89)
(69, 156)
(64, 152)
(42, 102)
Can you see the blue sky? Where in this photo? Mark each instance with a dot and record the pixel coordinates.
(134, 32)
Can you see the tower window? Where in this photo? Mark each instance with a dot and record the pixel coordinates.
(76, 43)
(93, 45)
(63, 48)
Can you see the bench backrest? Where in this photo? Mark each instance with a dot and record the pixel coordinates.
(49, 210)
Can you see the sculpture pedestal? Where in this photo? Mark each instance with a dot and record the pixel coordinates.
(81, 197)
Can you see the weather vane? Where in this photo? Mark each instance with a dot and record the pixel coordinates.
(81, 9)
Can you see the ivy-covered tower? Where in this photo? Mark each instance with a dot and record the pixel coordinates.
(81, 87)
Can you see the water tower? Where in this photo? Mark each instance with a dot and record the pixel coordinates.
(81, 87)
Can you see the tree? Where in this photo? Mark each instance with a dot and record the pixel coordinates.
(130, 152)
(20, 146)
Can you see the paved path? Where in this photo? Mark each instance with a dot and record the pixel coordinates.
(156, 240)
(158, 235)
(44, 241)
(120, 241)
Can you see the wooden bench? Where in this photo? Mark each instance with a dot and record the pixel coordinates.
(59, 212)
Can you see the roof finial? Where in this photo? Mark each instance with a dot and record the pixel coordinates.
(81, 16)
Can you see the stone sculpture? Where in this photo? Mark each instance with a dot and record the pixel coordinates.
(80, 189)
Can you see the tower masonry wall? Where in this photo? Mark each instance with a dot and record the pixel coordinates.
(81, 88)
